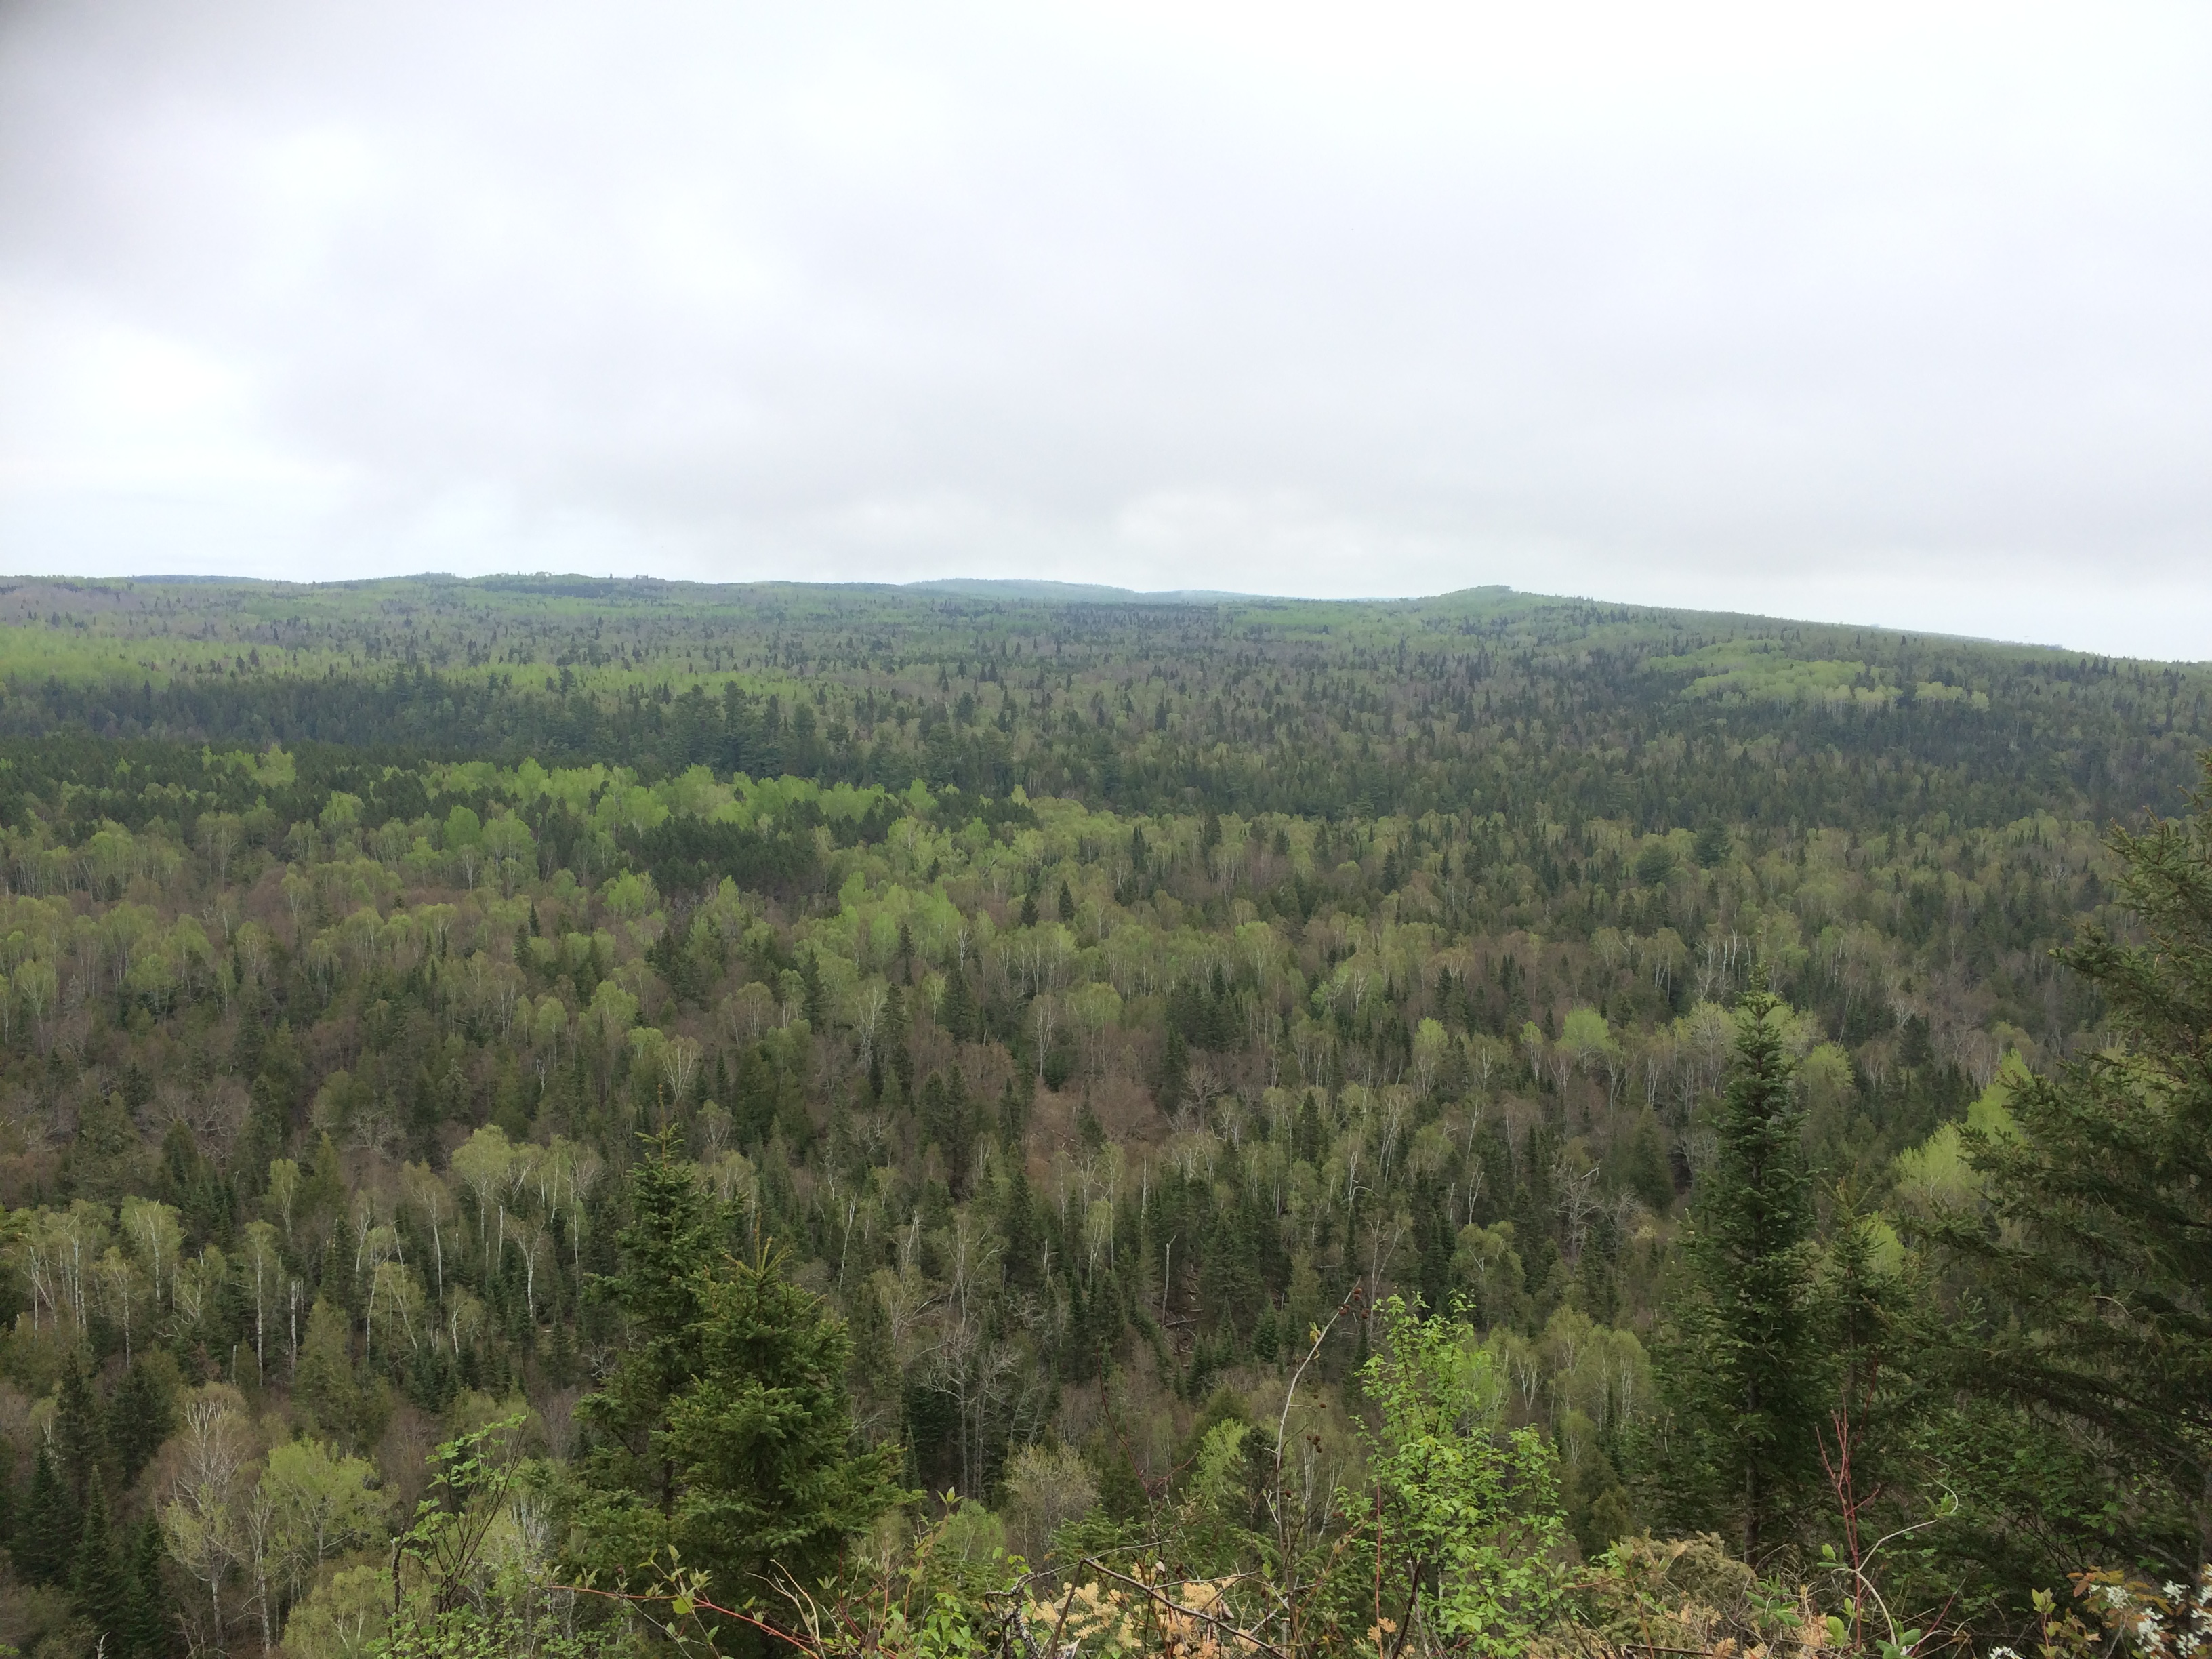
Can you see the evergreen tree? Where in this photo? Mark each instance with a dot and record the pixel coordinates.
(1308, 1143)
(79, 1444)
(1873, 1305)
(944, 1120)
(665, 1240)
(324, 1383)
(2097, 1243)
(816, 1004)
(1175, 1066)
(764, 1437)
(145, 1627)
(141, 1412)
(1018, 1227)
(1121, 1491)
(49, 1522)
(97, 1582)
(956, 1011)
(723, 1429)
(560, 1361)
(1014, 1106)
(630, 1476)
(756, 1096)
(1740, 1369)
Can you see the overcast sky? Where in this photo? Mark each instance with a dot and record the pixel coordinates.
(1895, 314)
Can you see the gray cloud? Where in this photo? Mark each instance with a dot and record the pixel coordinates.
(1894, 317)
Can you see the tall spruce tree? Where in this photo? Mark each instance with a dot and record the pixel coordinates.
(49, 1524)
(772, 1478)
(80, 1446)
(141, 1413)
(147, 1632)
(325, 1385)
(723, 1429)
(664, 1238)
(2095, 1242)
(1741, 1369)
(98, 1582)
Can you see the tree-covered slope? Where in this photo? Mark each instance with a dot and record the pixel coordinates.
(1101, 1008)
(1486, 700)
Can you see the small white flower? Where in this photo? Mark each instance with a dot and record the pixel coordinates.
(2174, 1592)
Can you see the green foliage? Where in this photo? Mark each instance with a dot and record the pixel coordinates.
(324, 1383)
(471, 1476)
(725, 1429)
(470, 1632)
(2093, 1231)
(1689, 1595)
(147, 1630)
(1744, 1372)
(80, 1445)
(322, 1506)
(97, 1581)
(764, 1438)
(1467, 1511)
(346, 1616)
(1290, 705)
(46, 1528)
(658, 1285)
(142, 1412)
(1104, 1006)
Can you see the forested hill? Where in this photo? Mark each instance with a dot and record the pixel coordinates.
(1166, 1123)
(1545, 710)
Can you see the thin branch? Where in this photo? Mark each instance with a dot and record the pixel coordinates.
(631, 1598)
(1228, 1626)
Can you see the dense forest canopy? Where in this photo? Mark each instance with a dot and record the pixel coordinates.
(1484, 700)
(1014, 1118)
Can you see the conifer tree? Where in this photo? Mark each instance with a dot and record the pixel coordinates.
(1740, 1365)
(2097, 1241)
(97, 1582)
(324, 1383)
(49, 1523)
(629, 1479)
(141, 1413)
(661, 1247)
(79, 1445)
(1876, 1331)
(765, 1437)
(1175, 1066)
(723, 1429)
(957, 1013)
(1018, 1227)
(145, 1625)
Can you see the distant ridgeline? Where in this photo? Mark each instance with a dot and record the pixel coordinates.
(1489, 701)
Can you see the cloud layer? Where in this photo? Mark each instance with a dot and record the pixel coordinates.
(1895, 315)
